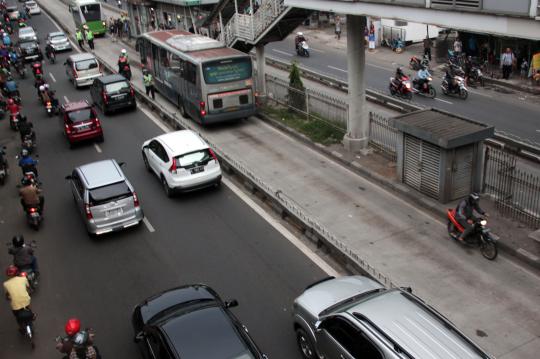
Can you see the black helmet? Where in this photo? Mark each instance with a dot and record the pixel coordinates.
(474, 198)
(18, 241)
(423, 67)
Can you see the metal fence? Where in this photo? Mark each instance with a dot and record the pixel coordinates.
(514, 185)
(312, 104)
(383, 136)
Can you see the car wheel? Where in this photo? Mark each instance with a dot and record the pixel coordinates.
(146, 164)
(304, 344)
(101, 138)
(168, 190)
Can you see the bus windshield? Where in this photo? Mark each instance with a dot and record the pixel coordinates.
(91, 12)
(228, 70)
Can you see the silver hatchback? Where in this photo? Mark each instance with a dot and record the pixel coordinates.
(104, 197)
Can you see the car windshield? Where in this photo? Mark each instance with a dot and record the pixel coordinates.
(30, 3)
(228, 70)
(86, 64)
(193, 158)
(91, 12)
(122, 86)
(26, 31)
(112, 192)
(81, 115)
(28, 44)
(58, 38)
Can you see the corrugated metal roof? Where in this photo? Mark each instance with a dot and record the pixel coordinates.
(442, 129)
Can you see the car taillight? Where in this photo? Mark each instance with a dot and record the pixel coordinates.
(88, 212)
(97, 123)
(212, 154)
(131, 92)
(135, 200)
(105, 98)
(202, 107)
(32, 210)
(172, 169)
(48, 105)
(68, 129)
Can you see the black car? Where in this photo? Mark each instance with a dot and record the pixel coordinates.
(191, 322)
(113, 92)
(30, 51)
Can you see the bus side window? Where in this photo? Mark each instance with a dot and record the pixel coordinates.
(190, 73)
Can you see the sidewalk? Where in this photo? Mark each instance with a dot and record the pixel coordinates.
(385, 56)
(405, 243)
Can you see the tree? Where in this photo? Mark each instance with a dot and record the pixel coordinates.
(297, 92)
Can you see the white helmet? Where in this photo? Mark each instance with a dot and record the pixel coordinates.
(41, 88)
(124, 51)
(300, 33)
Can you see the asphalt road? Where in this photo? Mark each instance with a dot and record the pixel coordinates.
(507, 112)
(210, 236)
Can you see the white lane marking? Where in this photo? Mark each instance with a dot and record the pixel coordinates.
(282, 52)
(148, 225)
(379, 67)
(315, 258)
(98, 149)
(52, 76)
(317, 50)
(479, 93)
(448, 102)
(337, 68)
(66, 99)
(158, 123)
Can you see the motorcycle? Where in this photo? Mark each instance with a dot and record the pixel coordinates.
(28, 143)
(475, 77)
(49, 108)
(416, 63)
(33, 216)
(424, 88)
(26, 318)
(458, 89)
(14, 121)
(21, 70)
(3, 166)
(479, 237)
(27, 271)
(302, 49)
(126, 72)
(401, 88)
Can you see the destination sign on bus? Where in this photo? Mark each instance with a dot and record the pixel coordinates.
(227, 70)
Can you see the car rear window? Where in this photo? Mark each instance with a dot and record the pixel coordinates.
(193, 158)
(29, 3)
(112, 192)
(81, 115)
(86, 64)
(115, 87)
(26, 31)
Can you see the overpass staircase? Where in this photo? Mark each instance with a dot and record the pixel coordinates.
(272, 21)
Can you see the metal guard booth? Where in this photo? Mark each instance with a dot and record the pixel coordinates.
(440, 154)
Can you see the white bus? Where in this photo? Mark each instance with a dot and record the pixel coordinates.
(206, 80)
(88, 12)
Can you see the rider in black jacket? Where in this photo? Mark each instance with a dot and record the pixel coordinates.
(465, 213)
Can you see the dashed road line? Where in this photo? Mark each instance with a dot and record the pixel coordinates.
(98, 149)
(448, 102)
(52, 76)
(379, 67)
(336, 68)
(66, 99)
(282, 52)
(150, 228)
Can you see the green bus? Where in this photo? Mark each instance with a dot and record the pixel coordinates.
(88, 12)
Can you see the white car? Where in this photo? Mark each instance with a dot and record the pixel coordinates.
(32, 8)
(27, 34)
(182, 161)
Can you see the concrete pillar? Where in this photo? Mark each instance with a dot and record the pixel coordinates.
(261, 71)
(356, 138)
(221, 29)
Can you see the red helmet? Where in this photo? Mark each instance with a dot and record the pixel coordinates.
(73, 325)
(10, 101)
(12, 271)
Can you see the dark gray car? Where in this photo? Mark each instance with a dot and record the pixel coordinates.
(113, 92)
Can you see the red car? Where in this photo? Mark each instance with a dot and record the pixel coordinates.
(80, 122)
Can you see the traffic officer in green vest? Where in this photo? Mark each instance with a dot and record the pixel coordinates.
(148, 81)
(89, 37)
(79, 36)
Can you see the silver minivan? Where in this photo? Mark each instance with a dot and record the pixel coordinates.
(82, 69)
(105, 198)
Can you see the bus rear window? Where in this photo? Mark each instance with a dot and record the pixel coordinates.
(221, 71)
(91, 12)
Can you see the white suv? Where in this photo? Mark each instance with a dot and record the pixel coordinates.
(182, 161)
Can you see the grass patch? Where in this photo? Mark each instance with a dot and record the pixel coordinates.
(317, 130)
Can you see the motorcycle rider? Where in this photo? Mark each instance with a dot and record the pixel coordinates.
(27, 163)
(37, 69)
(77, 342)
(422, 76)
(123, 60)
(13, 108)
(26, 128)
(31, 195)
(298, 40)
(17, 292)
(465, 213)
(23, 255)
(10, 87)
(49, 50)
(399, 77)
(451, 80)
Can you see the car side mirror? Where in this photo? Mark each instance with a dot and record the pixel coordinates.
(121, 164)
(68, 177)
(138, 337)
(318, 325)
(231, 304)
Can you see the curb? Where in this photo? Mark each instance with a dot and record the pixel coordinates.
(409, 194)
